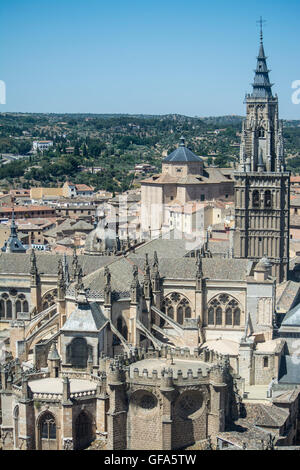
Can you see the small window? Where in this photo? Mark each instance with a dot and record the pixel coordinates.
(266, 362)
(48, 427)
(228, 316)
(268, 199)
(211, 319)
(170, 312)
(202, 197)
(237, 317)
(219, 316)
(255, 198)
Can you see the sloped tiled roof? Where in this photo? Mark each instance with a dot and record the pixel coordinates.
(289, 371)
(172, 265)
(87, 317)
(182, 154)
(286, 293)
(82, 225)
(210, 175)
(47, 263)
(292, 318)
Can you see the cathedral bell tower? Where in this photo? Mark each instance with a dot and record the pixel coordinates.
(262, 185)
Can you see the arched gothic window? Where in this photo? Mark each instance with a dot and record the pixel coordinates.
(178, 307)
(49, 299)
(47, 427)
(224, 310)
(268, 199)
(2, 309)
(228, 316)
(16, 413)
(218, 316)
(5, 306)
(170, 312)
(180, 315)
(8, 309)
(21, 304)
(237, 317)
(255, 198)
(261, 132)
(211, 316)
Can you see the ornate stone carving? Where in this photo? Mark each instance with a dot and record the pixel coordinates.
(68, 444)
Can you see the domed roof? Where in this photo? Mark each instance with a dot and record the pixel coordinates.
(182, 154)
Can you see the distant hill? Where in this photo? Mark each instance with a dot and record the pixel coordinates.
(232, 119)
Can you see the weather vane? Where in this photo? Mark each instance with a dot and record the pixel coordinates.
(261, 22)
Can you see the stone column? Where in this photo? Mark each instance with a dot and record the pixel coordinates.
(67, 417)
(101, 408)
(26, 419)
(246, 362)
(168, 392)
(117, 414)
(216, 417)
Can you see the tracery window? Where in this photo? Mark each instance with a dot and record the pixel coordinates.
(189, 403)
(49, 299)
(48, 426)
(21, 304)
(6, 309)
(177, 307)
(224, 310)
(148, 402)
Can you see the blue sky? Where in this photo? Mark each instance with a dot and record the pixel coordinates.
(154, 57)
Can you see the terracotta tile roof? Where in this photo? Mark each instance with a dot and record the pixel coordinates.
(295, 179)
(83, 187)
(16, 209)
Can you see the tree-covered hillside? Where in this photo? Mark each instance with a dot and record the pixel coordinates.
(114, 144)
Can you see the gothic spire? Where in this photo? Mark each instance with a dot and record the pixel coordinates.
(261, 84)
(78, 279)
(147, 278)
(135, 285)
(107, 288)
(147, 267)
(13, 227)
(199, 272)
(33, 266)
(74, 260)
(13, 244)
(155, 260)
(66, 269)
(60, 272)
